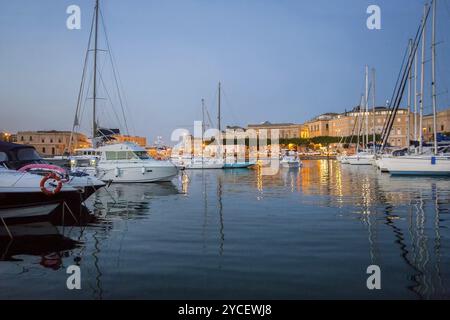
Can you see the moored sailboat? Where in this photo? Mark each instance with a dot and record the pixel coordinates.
(434, 162)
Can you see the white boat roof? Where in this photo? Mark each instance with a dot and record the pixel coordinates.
(126, 146)
(86, 149)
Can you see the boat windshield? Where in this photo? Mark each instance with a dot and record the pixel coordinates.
(142, 155)
(28, 154)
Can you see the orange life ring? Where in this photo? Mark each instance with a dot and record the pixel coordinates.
(58, 188)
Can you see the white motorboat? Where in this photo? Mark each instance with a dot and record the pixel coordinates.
(22, 195)
(290, 161)
(123, 163)
(361, 158)
(25, 159)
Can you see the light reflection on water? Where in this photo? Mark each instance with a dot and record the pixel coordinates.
(304, 233)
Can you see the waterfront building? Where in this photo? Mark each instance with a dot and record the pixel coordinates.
(53, 143)
(442, 123)
(320, 126)
(286, 130)
(343, 125)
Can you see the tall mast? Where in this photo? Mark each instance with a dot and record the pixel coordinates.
(360, 120)
(94, 98)
(433, 76)
(373, 110)
(415, 96)
(203, 125)
(218, 106)
(408, 121)
(367, 105)
(422, 77)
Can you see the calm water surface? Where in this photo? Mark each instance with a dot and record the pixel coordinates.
(308, 233)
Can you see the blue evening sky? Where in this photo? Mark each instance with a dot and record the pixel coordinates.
(282, 61)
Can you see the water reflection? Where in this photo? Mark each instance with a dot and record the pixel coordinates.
(412, 209)
(130, 200)
(212, 230)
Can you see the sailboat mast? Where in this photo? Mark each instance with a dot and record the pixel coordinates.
(415, 96)
(408, 120)
(367, 106)
(433, 76)
(360, 119)
(203, 126)
(94, 98)
(422, 78)
(218, 107)
(373, 110)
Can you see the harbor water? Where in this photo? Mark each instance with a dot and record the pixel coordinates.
(304, 233)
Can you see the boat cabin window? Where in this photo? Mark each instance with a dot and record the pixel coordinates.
(121, 155)
(27, 154)
(3, 157)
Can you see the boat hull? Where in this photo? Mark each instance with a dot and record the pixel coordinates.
(133, 174)
(418, 166)
(35, 204)
(28, 211)
(238, 165)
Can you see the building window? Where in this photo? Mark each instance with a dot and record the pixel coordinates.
(43, 140)
(53, 151)
(51, 140)
(59, 140)
(31, 138)
(43, 150)
(442, 128)
(21, 138)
